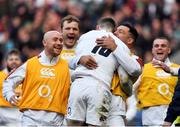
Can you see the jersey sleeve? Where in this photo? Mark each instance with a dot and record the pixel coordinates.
(12, 81)
(125, 59)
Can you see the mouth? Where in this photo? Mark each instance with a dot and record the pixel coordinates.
(14, 66)
(160, 53)
(71, 37)
(58, 47)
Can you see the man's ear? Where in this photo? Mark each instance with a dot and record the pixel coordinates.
(97, 27)
(44, 42)
(169, 51)
(130, 42)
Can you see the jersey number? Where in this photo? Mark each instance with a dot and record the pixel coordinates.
(103, 51)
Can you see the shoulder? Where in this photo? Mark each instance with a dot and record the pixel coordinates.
(148, 64)
(88, 33)
(175, 65)
(63, 61)
(32, 60)
(2, 72)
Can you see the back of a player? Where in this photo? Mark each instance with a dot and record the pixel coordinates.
(106, 61)
(92, 87)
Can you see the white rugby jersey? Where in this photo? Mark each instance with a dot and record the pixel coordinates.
(107, 60)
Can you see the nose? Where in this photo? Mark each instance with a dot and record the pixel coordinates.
(71, 31)
(60, 41)
(159, 47)
(115, 33)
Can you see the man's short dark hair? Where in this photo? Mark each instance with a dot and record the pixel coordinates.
(163, 38)
(132, 30)
(13, 52)
(107, 22)
(69, 19)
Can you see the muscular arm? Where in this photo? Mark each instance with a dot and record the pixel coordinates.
(122, 53)
(127, 62)
(12, 81)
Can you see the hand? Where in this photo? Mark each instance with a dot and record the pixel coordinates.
(14, 100)
(166, 124)
(106, 42)
(157, 63)
(88, 61)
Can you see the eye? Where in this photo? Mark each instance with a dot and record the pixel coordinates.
(156, 46)
(75, 29)
(55, 39)
(121, 31)
(164, 46)
(60, 39)
(67, 28)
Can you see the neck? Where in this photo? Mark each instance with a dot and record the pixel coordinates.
(131, 48)
(68, 47)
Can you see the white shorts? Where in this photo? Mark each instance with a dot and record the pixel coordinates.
(154, 116)
(89, 101)
(117, 112)
(10, 116)
(41, 118)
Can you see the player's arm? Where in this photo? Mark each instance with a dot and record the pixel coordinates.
(81, 57)
(122, 53)
(11, 82)
(168, 69)
(126, 82)
(127, 62)
(136, 84)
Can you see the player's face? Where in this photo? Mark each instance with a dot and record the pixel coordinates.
(122, 33)
(54, 44)
(13, 61)
(71, 33)
(160, 49)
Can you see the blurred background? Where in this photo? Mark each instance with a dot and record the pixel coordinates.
(23, 22)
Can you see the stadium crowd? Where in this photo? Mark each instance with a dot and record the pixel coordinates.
(23, 22)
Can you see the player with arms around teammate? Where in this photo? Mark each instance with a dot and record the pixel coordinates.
(121, 83)
(155, 87)
(45, 84)
(13, 61)
(90, 94)
(128, 34)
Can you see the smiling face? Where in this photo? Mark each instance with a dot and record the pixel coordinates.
(124, 35)
(53, 43)
(71, 33)
(161, 49)
(13, 61)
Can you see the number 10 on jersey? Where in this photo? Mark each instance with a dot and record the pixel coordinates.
(101, 51)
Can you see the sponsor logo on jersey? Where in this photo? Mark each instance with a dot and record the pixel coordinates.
(47, 72)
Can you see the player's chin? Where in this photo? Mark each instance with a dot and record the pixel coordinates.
(57, 51)
(161, 57)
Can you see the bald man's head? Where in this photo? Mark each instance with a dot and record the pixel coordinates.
(49, 34)
(53, 43)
